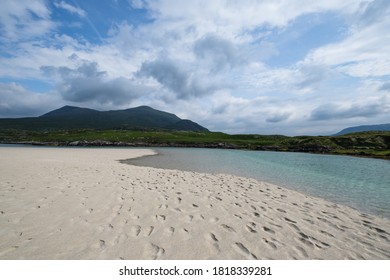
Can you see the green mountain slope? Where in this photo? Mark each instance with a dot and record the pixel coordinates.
(361, 128)
(69, 117)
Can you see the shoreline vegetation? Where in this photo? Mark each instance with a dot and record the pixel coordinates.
(374, 144)
(85, 204)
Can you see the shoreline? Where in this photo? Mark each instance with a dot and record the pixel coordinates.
(107, 144)
(59, 204)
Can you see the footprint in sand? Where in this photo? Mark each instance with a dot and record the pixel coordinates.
(326, 233)
(154, 251)
(266, 229)
(240, 248)
(290, 221)
(302, 252)
(309, 221)
(135, 230)
(102, 244)
(212, 237)
(251, 227)
(294, 226)
(160, 218)
(237, 216)
(169, 231)
(228, 228)
(121, 238)
(305, 239)
(200, 217)
(331, 224)
(148, 231)
(270, 243)
(213, 240)
(372, 227)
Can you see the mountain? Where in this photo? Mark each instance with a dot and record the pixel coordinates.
(70, 117)
(186, 125)
(67, 111)
(361, 128)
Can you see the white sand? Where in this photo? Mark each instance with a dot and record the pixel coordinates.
(84, 204)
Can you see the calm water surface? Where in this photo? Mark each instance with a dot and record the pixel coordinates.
(361, 183)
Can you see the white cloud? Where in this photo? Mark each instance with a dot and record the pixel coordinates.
(385, 86)
(278, 117)
(16, 101)
(87, 84)
(364, 52)
(219, 53)
(23, 20)
(71, 9)
(230, 18)
(137, 4)
(185, 83)
(378, 106)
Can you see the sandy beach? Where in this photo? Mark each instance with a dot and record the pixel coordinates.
(58, 203)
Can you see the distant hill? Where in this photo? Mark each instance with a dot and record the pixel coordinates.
(378, 127)
(70, 117)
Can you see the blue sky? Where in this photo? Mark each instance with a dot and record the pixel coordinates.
(289, 67)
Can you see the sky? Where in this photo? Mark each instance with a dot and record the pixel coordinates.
(292, 67)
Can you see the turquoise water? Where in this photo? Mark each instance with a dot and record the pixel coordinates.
(361, 183)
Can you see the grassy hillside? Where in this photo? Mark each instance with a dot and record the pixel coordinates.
(75, 118)
(371, 144)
